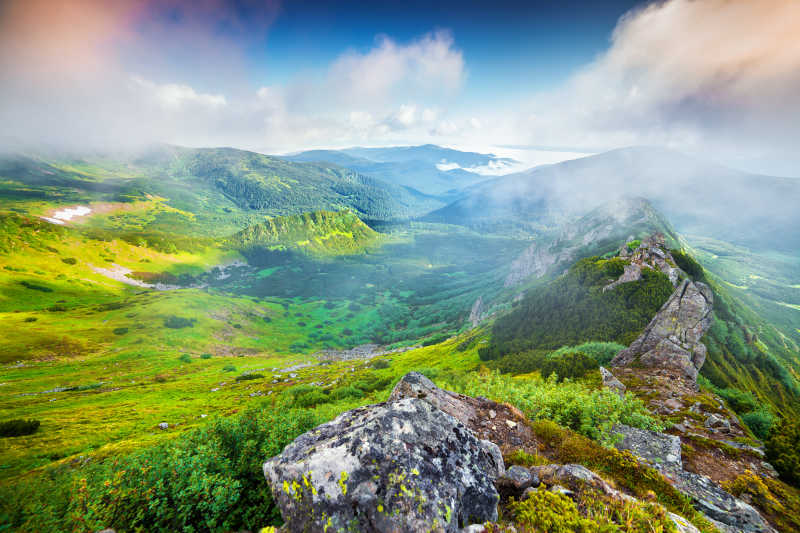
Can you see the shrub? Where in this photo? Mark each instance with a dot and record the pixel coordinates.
(520, 363)
(229, 368)
(570, 365)
(342, 393)
(248, 377)
(206, 356)
(160, 378)
(177, 322)
(602, 352)
(548, 511)
(380, 363)
(35, 286)
(298, 346)
(69, 260)
(185, 358)
(634, 244)
(347, 332)
(783, 451)
(760, 422)
(591, 412)
(312, 398)
(209, 480)
(267, 319)
(30, 319)
(120, 331)
(436, 339)
(237, 326)
(18, 427)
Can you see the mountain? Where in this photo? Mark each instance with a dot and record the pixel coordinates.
(429, 168)
(698, 197)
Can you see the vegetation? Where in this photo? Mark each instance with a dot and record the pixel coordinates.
(18, 427)
(568, 365)
(573, 309)
(783, 451)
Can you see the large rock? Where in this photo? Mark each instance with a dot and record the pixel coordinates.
(672, 338)
(611, 382)
(659, 450)
(390, 467)
(729, 513)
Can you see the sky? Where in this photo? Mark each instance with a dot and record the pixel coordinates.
(538, 80)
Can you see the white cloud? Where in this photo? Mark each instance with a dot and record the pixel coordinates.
(175, 96)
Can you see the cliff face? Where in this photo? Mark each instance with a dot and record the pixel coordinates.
(672, 338)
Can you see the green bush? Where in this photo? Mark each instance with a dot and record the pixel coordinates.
(760, 422)
(207, 480)
(18, 427)
(634, 244)
(177, 322)
(30, 319)
(436, 339)
(35, 286)
(120, 331)
(206, 356)
(520, 363)
(185, 358)
(342, 393)
(570, 365)
(589, 411)
(69, 260)
(602, 352)
(229, 368)
(380, 364)
(783, 450)
(248, 377)
(312, 398)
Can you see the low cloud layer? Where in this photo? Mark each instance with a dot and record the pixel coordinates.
(718, 77)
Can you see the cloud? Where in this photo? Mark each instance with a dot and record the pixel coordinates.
(719, 75)
(174, 96)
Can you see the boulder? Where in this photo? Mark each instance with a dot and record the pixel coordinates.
(395, 466)
(611, 382)
(631, 272)
(672, 338)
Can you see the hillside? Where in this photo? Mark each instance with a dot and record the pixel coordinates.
(318, 233)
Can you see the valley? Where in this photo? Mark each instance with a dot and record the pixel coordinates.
(150, 298)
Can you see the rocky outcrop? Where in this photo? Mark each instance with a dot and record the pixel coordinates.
(663, 452)
(632, 272)
(611, 382)
(478, 312)
(536, 260)
(502, 424)
(672, 338)
(396, 466)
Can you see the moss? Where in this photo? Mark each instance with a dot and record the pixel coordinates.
(778, 502)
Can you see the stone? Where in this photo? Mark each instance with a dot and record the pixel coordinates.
(492, 413)
(474, 528)
(511, 424)
(163, 425)
(661, 451)
(731, 513)
(416, 385)
(683, 525)
(397, 466)
(611, 382)
(514, 482)
(718, 423)
(672, 338)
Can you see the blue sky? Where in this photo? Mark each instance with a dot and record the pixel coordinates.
(718, 78)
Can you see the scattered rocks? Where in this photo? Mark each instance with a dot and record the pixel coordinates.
(718, 423)
(396, 466)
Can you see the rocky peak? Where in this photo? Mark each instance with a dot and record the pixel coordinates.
(672, 338)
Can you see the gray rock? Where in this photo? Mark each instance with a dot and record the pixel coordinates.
(708, 498)
(395, 466)
(718, 423)
(163, 425)
(474, 528)
(661, 451)
(672, 338)
(611, 382)
(683, 525)
(514, 482)
(632, 272)
(416, 385)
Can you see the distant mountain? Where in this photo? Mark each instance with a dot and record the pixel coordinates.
(429, 168)
(699, 197)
